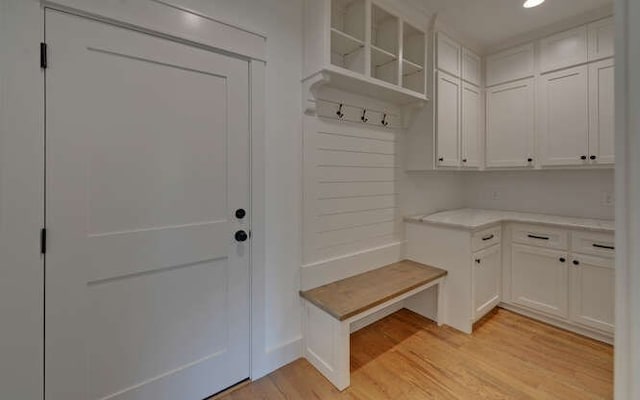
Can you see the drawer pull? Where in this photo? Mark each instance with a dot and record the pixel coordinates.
(489, 237)
(538, 237)
(601, 246)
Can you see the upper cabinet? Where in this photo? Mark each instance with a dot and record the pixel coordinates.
(510, 124)
(510, 65)
(448, 119)
(601, 39)
(471, 67)
(564, 117)
(362, 47)
(448, 54)
(563, 49)
(601, 112)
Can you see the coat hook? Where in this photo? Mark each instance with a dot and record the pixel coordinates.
(339, 113)
(364, 115)
(384, 121)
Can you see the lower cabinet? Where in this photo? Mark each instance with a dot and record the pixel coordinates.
(539, 279)
(574, 283)
(486, 279)
(593, 292)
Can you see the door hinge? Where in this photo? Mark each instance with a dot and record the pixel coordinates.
(43, 241)
(43, 55)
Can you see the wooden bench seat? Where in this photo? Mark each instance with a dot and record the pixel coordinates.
(332, 308)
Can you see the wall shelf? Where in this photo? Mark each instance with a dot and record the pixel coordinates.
(364, 48)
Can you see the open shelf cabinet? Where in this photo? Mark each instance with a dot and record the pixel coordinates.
(365, 42)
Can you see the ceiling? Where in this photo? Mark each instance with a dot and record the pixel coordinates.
(492, 22)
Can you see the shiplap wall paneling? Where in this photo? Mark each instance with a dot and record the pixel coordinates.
(351, 194)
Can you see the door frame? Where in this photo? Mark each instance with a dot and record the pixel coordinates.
(22, 119)
(224, 38)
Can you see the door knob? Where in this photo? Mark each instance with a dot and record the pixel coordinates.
(576, 262)
(583, 157)
(593, 157)
(562, 259)
(529, 159)
(241, 236)
(240, 213)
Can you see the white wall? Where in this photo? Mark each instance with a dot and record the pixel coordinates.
(281, 22)
(430, 192)
(569, 192)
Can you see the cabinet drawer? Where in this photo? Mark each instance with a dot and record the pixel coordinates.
(595, 243)
(540, 236)
(485, 238)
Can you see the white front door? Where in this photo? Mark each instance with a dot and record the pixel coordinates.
(147, 160)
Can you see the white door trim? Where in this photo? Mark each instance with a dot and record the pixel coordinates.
(259, 361)
(627, 85)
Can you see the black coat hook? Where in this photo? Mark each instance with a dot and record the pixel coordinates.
(339, 113)
(364, 116)
(384, 121)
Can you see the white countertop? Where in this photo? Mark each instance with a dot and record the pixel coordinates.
(473, 219)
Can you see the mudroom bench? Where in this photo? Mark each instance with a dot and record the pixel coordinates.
(331, 309)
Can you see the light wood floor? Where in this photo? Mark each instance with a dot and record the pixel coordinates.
(405, 356)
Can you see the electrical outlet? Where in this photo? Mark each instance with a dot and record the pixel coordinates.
(495, 195)
(607, 199)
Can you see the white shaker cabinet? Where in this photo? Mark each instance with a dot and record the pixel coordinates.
(601, 39)
(471, 67)
(539, 279)
(510, 124)
(486, 271)
(448, 54)
(510, 65)
(471, 99)
(601, 112)
(563, 49)
(593, 292)
(564, 117)
(447, 120)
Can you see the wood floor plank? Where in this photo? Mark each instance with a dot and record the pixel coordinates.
(407, 357)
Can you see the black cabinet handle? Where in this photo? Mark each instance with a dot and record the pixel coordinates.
(538, 237)
(464, 160)
(241, 236)
(602, 246)
(240, 213)
(441, 159)
(562, 259)
(576, 262)
(488, 237)
(593, 157)
(477, 261)
(529, 159)
(583, 157)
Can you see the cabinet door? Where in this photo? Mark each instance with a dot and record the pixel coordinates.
(487, 269)
(471, 67)
(592, 292)
(448, 120)
(564, 49)
(601, 39)
(447, 54)
(471, 125)
(601, 112)
(510, 65)
(539, 279)
(510, 124)
(564, 117)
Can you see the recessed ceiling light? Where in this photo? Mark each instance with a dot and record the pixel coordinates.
(532, 3)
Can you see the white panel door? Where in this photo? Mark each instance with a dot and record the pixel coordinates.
(601, 39)
(602, 112)
(448, 120)
(593, 292)
(471, 125)
(510, 65)
(564, 117)
(510, 124)
(147, 291)
(471, 67)
(539, 279)
(487, 269)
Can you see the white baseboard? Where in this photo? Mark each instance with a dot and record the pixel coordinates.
(279, 356)
(334, 269)
(560, 324)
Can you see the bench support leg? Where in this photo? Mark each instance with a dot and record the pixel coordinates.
(440, 318)
(326, 345)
